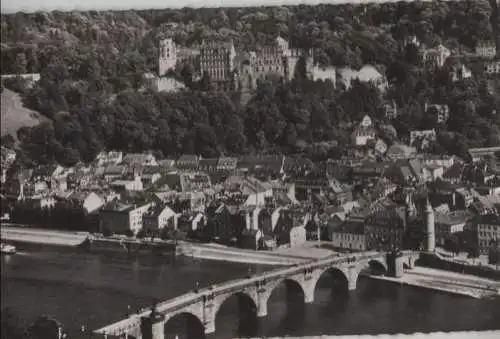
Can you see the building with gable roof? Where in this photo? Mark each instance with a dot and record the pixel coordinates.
(448, 224)
(158, 217)
(436, 57)
(119, 217)
(364, 132)
(385, 228)
(90, 202)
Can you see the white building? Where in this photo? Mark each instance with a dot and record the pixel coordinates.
(486, 49)
(367, 73)
(89, 201)
(109, 158)
(127, 185)
(492, 68)
(158, 217)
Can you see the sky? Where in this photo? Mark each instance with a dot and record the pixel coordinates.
(10, 6)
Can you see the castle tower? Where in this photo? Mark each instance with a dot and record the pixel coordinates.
(430, 227)
(167, 57)
(495, 24)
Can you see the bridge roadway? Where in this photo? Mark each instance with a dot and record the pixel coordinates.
(267, 280)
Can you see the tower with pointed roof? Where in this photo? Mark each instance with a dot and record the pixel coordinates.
(430, 227)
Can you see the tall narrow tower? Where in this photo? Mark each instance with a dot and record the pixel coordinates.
(495, 23)
(167, 58)
(430, 225)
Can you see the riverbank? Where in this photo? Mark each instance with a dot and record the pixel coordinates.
(42, 236)
(449, 282)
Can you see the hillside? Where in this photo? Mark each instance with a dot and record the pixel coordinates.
(92, 65)
(15, 115)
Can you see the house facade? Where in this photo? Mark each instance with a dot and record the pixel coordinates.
(488, 231)
(158, 217)
(117, 217)
(349, 236)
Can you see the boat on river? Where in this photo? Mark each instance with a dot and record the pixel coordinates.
(7, 249)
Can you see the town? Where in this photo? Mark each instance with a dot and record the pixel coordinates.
(377, 201)
(375, 196)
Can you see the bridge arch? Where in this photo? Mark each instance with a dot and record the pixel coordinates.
(185, 323)
(294, 288)
(377, 266)
(242, 307)
(338, 278)
(240, 294)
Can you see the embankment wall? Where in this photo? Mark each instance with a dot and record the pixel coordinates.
(433, 261)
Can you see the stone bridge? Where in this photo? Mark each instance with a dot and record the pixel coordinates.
(204, 304)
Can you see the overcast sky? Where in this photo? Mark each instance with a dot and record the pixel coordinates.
(9, 6)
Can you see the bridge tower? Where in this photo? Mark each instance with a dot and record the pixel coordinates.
(152, 327)
(430, 227)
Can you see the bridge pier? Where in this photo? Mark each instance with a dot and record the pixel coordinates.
(352, 278)
(209, 327)
(261, 328)
(309, 292)
(158, 330)
(262, 306)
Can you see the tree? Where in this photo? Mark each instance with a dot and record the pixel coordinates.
(21, 64)
(44, 328)
(8, 141)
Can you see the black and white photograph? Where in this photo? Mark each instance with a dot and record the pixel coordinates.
(219, 169)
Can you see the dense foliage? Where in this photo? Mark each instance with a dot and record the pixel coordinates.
(13, 327)
(92, 65)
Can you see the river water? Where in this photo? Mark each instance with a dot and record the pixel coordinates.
(95, 289)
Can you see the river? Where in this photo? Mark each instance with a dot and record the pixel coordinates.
(96, 289)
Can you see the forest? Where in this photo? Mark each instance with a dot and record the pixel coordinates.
(92, 66)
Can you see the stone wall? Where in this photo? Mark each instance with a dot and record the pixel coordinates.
(432, 261)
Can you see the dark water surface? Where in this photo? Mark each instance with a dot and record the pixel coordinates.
(95, 289)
